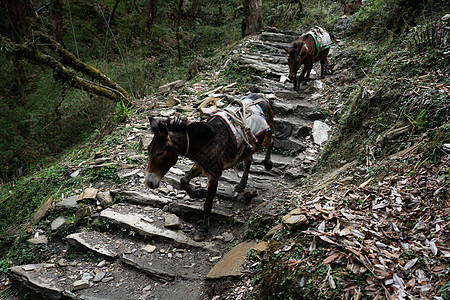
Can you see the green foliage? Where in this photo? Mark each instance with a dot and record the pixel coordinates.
(106, 173)
(19, 200)
(42, 118)
(122, 112)
(20, 253)
(49, 119)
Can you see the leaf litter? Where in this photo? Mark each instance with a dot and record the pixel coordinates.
(394, 232)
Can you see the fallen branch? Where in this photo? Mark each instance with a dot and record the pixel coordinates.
(59, 59)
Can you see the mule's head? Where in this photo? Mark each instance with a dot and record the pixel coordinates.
(294, 58)
(161, 152)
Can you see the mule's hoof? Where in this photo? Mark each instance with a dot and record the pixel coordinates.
(268, 165)
(238, 188)
(199, 236)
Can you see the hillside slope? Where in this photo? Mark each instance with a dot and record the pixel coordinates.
(373, 201)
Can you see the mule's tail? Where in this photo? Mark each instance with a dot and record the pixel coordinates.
(283, 134)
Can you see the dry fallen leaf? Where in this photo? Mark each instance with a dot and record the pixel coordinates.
(332, 257)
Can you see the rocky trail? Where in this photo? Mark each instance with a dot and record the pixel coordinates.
(144, 247)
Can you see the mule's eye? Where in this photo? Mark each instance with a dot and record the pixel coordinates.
(159, 153)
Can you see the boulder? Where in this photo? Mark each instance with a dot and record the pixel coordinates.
(320, 132)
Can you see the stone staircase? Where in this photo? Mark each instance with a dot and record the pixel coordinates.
(144, 247)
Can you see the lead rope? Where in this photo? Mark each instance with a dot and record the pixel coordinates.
(187, 142)
(239, 117)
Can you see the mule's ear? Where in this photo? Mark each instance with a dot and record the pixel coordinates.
(153, 124)
(162, 130)
(286, 49)
(158, 127)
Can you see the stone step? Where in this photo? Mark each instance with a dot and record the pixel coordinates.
(148, 222)
(277, 59)
(280, 162)
(300, 128)
(85, 280)
(280, 37)
(160, 261)
(290, 145)
(66, 282)
(271, 69)
(271, 47)
(144, 198)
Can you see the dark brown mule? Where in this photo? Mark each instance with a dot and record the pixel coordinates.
(305, 51)
(211, 145)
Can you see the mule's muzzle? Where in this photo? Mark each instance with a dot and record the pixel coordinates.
(152, 181)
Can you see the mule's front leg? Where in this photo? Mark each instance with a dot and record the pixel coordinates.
(302, 75)
(239, 188)
(295, 83)
(213, 182)
(195, 171)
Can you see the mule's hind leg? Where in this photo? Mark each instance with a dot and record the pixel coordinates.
(239, 188)
(195, 171)
(323, 63)
(268, 143)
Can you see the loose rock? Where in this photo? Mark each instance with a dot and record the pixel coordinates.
(80, 285)
(172, 221)
(58, 224)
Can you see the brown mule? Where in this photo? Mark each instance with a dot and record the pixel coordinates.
(308, 49)
(212, 147)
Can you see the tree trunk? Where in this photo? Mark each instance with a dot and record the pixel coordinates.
(180, 7)
(15, 24)
(253, 17)
(193, 9)
(150, 10)
(57, 21)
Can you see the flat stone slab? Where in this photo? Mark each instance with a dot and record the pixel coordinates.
(51, 282)
(69, 202)
(231, 264)
(160, 261)
(144, 198)
(196, 211)
(96, 242)
(34, 277)
(42, 239)
(58, 223)
(143, 225)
